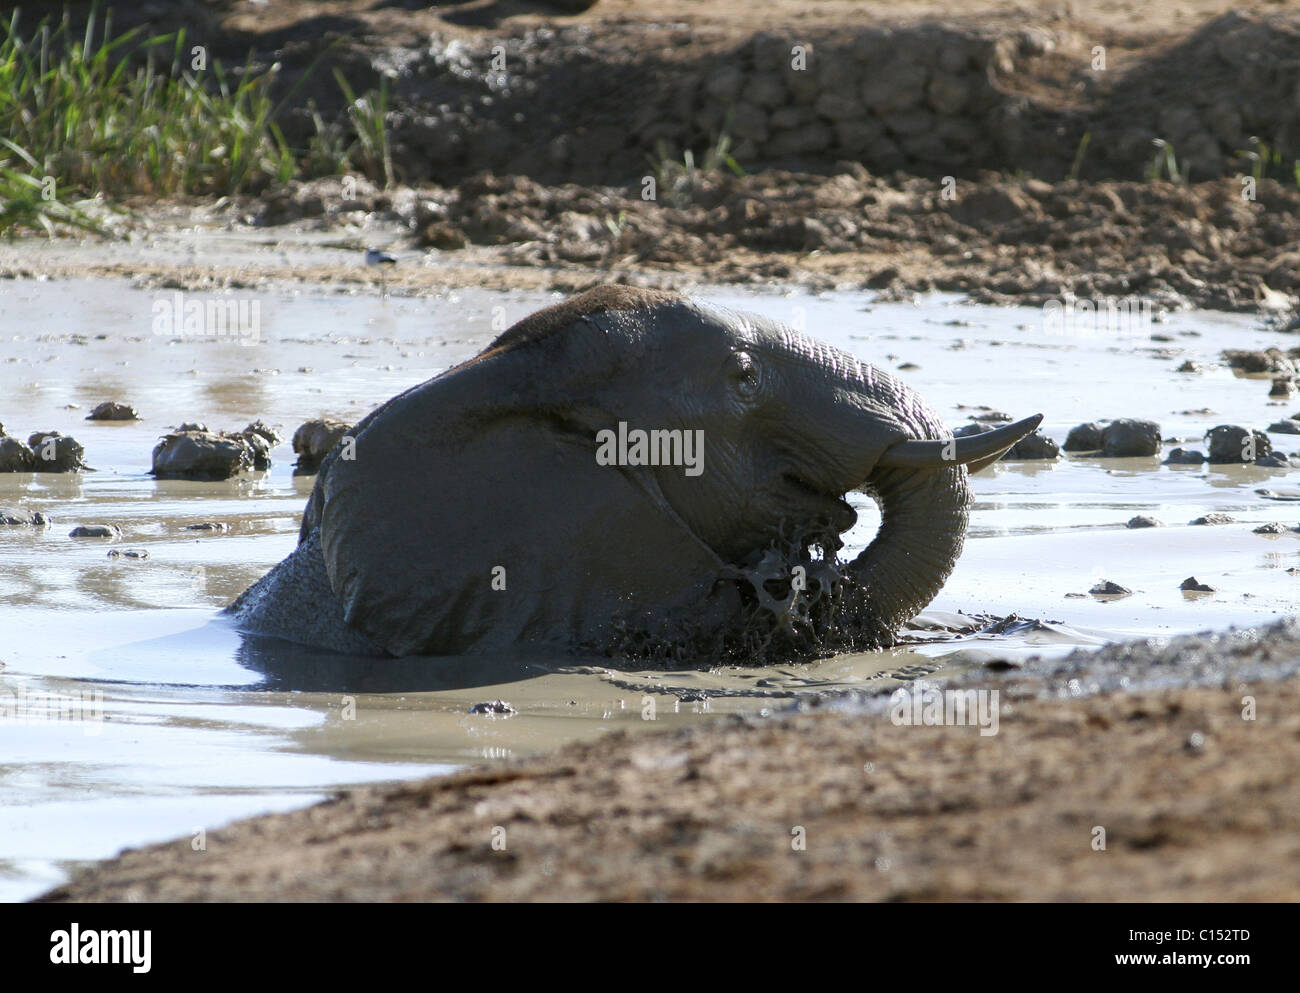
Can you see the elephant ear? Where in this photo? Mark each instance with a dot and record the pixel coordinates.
(475, 517)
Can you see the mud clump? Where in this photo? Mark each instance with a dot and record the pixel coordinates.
(44, 451)
(135, 554)
(494, 708)
(1142, 521)
(1106, 587)
(314, 440)
(16, 456)
(112, 410)
(1084, 438)
(55, 452)
(1286, 426)
(204, 455)
(1183, 456)
(271, 436)
(24, 518)
(110, 531)
(1274, 460)
(1192, 585)
(1213, 520)
(1035, 446)
(1232, 443)
(1273, 527)
(1128, 437)
(1260, 361)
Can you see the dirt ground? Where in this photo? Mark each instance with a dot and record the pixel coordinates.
(535, 179)
(1194, 792)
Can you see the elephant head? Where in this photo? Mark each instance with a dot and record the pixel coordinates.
(630, 467)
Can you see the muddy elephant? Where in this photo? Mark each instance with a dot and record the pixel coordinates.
(629, 473)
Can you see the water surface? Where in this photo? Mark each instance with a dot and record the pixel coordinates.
(198, 728)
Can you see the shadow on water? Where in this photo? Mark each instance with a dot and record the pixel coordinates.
(287, 666)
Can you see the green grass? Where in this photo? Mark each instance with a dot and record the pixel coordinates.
(676, 181)
(1266, 162)
(125, 115)
(1164, 161)
(28, 202)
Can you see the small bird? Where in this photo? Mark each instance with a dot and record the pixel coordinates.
(384, 262)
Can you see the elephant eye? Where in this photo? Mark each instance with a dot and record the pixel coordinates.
(744, 375)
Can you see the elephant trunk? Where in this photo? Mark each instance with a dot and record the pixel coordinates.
(924, 516)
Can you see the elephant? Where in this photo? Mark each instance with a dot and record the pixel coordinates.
(629, 473)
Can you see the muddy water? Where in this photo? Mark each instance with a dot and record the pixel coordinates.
(183, 727)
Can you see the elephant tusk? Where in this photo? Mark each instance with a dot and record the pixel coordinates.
(982, 448)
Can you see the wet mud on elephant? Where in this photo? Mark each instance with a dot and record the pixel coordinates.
(513, 505)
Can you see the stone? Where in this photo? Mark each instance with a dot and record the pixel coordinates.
(1107, 588)
(748, 121)
(857, 137)
(24, 518)
(807, 140)
(111, 531)
(1234, 443)
(894, 86)
(1033, 446)
(54, 452)
(315, 439)
(204, 455)
(111, 410)
(947, 94)
(1129, 437)
(1273, 527)
(766, 89)
(724, 83)
(837, 105)
(15, 456)
(1084, 438)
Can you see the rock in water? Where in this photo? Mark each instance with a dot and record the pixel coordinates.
(111, 410)
(203, 455)
(1084, 437)
(1233, 443)
(1129, 437)
(96, 531)
(23, 518)
(315, 439)
(1033, 446)
(15, 456)
(1213, 520)
(55, 452)
(1107, 588)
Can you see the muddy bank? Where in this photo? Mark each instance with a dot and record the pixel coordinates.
(1196, 792)
(996, 240)
(999, 241)
(559, 94)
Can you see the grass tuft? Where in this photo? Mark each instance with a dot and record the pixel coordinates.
(103, 115)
